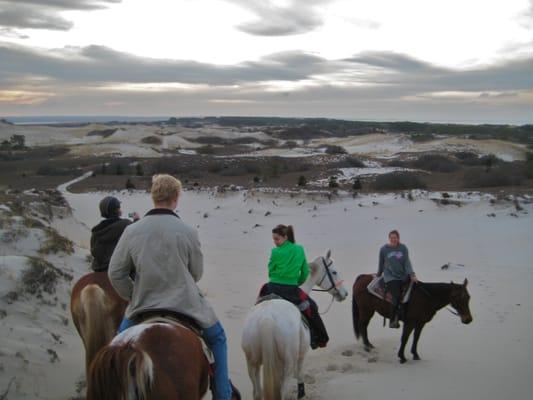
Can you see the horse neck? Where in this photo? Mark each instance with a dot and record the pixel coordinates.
(439, 294)
(313, 278)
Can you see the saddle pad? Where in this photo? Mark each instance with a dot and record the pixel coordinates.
(168, 320)
(377, 288)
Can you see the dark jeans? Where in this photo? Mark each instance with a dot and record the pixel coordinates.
(309, 309)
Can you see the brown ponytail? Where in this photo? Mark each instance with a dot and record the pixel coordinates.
(285, 231)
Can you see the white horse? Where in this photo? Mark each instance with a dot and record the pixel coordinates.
(275, 337)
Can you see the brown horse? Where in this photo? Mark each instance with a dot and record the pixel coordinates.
(156, 361)
(97, 311)
(426, 299)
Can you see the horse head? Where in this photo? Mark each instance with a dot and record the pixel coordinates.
(459, 299)
(326, 276)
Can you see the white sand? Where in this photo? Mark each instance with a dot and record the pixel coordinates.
(488, 359)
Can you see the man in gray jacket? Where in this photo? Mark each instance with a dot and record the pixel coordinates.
(165, 255)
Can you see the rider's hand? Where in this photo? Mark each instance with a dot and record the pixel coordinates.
(136, 216)
(414, 279)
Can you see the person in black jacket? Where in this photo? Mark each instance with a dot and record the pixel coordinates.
(105, 235)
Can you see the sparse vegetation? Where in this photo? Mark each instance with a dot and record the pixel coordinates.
(302, 180)
(436, 163)
(398, 181)
(479, 178)
(206, 150)
(41, 277)
(56, 243)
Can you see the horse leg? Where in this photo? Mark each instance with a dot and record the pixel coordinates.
(254, 373)
(407, 329)
(418, 331)
(363, 326)
(300, 376)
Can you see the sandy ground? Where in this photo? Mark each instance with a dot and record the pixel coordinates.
(488, 359)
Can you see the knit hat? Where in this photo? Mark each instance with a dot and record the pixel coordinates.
(109, 207)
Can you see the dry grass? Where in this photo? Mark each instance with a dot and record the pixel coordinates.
(56, 243)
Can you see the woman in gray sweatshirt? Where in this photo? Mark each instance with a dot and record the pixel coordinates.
(396, 268)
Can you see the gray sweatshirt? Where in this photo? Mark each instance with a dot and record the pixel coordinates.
(394, 263)
(165, 254)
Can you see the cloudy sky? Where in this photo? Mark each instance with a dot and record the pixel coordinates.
(437, 60)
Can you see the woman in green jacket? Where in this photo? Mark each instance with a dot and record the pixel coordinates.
(287, 270)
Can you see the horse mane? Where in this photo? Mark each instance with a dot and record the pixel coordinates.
(436, 287)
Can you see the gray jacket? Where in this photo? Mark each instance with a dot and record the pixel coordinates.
(165, 255)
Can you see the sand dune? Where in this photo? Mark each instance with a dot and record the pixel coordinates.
(487, 359)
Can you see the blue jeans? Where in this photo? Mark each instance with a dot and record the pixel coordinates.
(215, 337)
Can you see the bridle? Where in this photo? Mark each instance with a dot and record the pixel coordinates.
(329, 275)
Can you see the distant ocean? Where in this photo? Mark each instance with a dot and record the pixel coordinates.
(74, 119)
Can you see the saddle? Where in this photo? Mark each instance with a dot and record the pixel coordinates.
(179, 320)
(377, 288)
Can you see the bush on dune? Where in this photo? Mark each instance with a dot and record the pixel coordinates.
(436, 163)
(398, 181)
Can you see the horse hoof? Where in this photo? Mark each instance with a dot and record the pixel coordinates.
(301, 390)
(403, 360)
(416, 357)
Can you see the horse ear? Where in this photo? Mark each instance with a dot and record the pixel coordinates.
(465, 283)
(328, 253)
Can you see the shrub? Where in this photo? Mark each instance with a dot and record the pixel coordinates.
(398, 181)
(351, 162)
(152, 140)
(206, 150)
(302, 180)
(334, 149)
(41, 276)
(422, 137)
(436, 163)
(49, 170)
(56, 243)
(139, 171)
(356, 185)
(129, 184)
(333, 182)
(496, 177)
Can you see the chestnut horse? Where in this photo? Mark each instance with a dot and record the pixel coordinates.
(156, 361)
(97, 311)
(425, 300)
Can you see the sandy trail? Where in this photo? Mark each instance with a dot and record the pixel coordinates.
(488, 359)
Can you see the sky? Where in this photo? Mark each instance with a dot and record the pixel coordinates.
(441, 60)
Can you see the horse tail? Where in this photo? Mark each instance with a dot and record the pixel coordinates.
(272, 365)
(95, 324)
(355, 317)
(120, 372)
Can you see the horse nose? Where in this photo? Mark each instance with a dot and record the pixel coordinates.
(467, 319)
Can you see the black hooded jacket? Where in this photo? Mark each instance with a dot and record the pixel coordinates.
(104, 239)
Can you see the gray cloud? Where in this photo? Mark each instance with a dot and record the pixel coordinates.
(380, 85)
(297, 17)
(44, 14)
(98, 64)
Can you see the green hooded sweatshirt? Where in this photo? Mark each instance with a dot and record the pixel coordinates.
(288, 265)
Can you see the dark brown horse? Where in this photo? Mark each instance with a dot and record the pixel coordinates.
(426, 299)
(97, 311)
(150, 362)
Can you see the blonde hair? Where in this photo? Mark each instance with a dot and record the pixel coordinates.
(165, 188)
